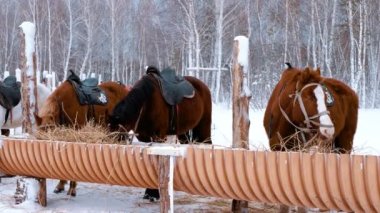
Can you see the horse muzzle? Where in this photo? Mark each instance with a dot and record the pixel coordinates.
(327, 133)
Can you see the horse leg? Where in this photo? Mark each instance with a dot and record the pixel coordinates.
(151, 194)
(185, 138)
(72, 190)
(5, 132)
(60, 186)
(202, 132)
(343, 142)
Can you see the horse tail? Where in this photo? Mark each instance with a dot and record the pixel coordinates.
(6, 116)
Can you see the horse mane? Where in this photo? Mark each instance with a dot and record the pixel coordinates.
(310, 75)
(152, 69)
(74, 77)
(129, 108)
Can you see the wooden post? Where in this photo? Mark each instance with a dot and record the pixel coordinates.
(240, 104)
(28, 64)
(163, 183)
(166, 159)
(42, 198)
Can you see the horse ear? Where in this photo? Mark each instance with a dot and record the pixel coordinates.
(38, 119)
(305, 75)
(318, 71)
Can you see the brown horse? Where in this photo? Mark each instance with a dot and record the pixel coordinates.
(153, 115)
(304, 102)
(63, 108)
(308, 110)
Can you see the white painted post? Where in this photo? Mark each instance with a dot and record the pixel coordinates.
(53, 80)
(18, 74)
(166, 159)
(38, 75)
(6, 74)
(82, 76)
(45, 73)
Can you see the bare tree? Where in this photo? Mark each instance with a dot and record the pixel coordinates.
(70, 42)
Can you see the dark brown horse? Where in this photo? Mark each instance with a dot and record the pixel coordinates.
(152, 114)
(62, 107)
(304, 102)
(146, 111)
(307, 110)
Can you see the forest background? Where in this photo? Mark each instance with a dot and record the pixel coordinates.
(118, 38)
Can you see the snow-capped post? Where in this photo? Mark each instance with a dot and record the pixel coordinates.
(240, 103)
(28, 75)
(29, 94)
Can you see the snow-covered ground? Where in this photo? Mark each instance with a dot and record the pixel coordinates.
(105, 198)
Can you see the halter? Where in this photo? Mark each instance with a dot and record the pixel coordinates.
(308, 119)
(130, 138)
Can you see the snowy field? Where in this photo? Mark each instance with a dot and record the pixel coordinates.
(106, 198)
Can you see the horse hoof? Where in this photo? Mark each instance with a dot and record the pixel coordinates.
(150, 198)
(72, 193)
(58, 190)
(153, 199)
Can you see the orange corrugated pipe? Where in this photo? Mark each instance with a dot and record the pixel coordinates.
(326, 181)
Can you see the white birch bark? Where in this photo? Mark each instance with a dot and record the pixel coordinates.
(330, 41)
(112, 11)
(352, 47)
(313, 35)
(89, 26)
(219, 4)
(50, 58)
(286, 31)
(68, 55)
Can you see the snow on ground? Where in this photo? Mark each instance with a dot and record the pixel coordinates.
(105, 198)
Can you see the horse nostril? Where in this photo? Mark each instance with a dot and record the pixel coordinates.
(327, 133)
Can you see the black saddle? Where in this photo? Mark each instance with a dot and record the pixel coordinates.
(10, 94)
(87, 91)
(173, 87)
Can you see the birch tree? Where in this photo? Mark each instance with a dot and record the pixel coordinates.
(88, 22)
(194, 38)
(70, 42)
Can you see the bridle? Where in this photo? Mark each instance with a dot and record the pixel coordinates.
(131, 136)
(309, 120)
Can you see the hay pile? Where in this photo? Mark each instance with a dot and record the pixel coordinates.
(90, 133)
(313, 145)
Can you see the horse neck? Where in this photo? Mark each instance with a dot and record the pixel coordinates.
(137, 97)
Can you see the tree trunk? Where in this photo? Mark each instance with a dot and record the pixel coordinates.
(240, 104)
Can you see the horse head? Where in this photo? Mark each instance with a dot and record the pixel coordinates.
(302, 101)
(126, 113)
(48, 116)
(310, 103)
